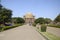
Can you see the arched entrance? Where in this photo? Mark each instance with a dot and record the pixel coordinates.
(29, 18)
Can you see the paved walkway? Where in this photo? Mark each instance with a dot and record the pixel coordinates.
(21, 33)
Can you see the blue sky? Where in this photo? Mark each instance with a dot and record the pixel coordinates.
(39, 8)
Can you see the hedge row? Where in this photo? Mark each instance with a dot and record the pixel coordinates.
(53, 25)
(9, 27)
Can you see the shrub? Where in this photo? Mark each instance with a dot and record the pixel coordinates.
(34, 24)
(43, 28)
(1, 28)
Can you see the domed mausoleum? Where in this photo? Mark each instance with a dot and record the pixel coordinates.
(29, 18)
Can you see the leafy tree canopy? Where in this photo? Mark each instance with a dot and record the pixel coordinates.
(57, 19)
(42, 20)
(18, 20)
(5, 15)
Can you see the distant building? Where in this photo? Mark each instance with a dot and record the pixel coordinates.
(29, 18)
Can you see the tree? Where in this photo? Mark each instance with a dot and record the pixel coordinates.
(47, 20)
(0, 6)
(40, 20)
(18, 20)
(57, 19)
(1, 20)
(5, 15)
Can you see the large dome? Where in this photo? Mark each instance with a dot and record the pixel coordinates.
(29, 15)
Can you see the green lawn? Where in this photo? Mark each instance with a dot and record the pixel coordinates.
(53, 25)
(48, 35)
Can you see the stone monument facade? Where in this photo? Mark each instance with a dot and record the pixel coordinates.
(29, 18)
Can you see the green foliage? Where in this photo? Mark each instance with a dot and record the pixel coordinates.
(40, 20)
(34, 24)
(53, 25)
(9, 27)
(18, 20)
(0, 6)
(1, 29)
(51, 36)
(47, 20)
(5, 15)
(43, 20)
(57, 19)
(43, 28)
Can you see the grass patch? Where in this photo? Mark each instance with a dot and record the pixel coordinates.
(47, 35)
(53, 25)
(51, 36)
